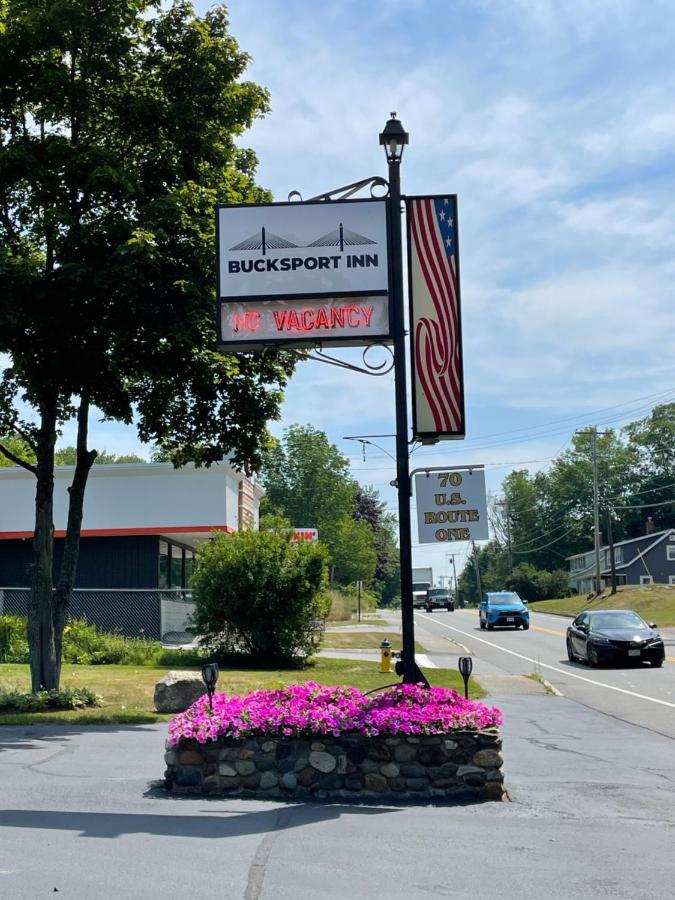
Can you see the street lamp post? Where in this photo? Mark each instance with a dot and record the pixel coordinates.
(394, 139)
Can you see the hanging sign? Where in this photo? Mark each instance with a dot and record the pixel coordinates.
(435, 318)
(297, 273)
(451, 506)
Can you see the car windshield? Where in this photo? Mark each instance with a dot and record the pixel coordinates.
(504, 597)
(438, 593)
(619, 619)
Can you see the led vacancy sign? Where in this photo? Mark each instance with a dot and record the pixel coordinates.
(451, 506)
(351, 320)
(297, 273)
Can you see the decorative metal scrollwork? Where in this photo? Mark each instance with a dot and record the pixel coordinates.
(343, 193)
(368, 368)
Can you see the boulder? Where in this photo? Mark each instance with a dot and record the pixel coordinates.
(178, 690)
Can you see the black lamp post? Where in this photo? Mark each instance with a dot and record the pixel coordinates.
(465, 664)
(210, 679)
(394, 139)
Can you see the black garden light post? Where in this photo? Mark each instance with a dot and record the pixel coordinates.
(210, 679)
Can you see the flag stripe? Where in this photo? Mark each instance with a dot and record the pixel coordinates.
(435, 335)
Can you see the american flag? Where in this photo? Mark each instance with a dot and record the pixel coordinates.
(434, 317)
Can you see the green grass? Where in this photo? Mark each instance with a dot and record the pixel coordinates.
(363, 640)
(654, 602)
(128, 690)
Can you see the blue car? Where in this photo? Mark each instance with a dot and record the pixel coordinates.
(503, 609)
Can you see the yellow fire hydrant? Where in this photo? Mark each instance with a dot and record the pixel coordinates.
(385, 656)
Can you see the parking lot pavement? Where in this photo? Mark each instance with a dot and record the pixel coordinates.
(82, 815)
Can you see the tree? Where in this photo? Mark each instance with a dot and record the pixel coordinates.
(118, 124)
(258, 594)
(67, 456)
(370, 509)
(307, 479)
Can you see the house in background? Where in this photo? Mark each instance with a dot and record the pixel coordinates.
(648, 559)
(142, 524)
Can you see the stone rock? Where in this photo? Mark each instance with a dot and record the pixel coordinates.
(307, 776)
(444, 782)
(492, 791)
(211, 784)
(245, 766)
(230, 784)
(330, 782)
(289, 781)
(341, 763)
(268, 746)
(413, 770)
(489, 759)
(390, 770)
(265, 762)
(404, 753)
(380, 751)
(450, 745)
(494, 775)
(353, 782)
(417, 784)
(397, 784)
(375, 782)
(190, 758)
(246, 753)
(286, 765)
(463, 771)
(317, 746)
(251, 782)
(321, 761)
(171, 758)
(301, 763)
(187, 776)
(229, 753)
(176, 691)
(227, 769)
(432, 756)
(369, 765)
(267, 780)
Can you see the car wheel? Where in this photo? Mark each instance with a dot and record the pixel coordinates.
(482, 625)
(656, 663)
(428, 609)
(592, 656)
(570, 653)
(526, 625)
(490, 626)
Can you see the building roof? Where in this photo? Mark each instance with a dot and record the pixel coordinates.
(654, 538)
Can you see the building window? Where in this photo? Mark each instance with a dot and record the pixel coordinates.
(671, 579)
(618, 555)
(646, 579)
(670, 552)
(189, 567)
(176, 567)
(163, 565)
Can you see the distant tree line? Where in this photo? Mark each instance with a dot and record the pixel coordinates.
(550, 514)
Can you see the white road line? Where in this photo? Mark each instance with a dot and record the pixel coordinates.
(610, 687)
(423, 660)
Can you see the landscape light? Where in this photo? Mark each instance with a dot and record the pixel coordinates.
(210, 679)
(465, 664)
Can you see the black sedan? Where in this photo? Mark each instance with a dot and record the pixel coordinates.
(614, 636)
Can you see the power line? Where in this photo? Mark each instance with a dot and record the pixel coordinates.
(544, 546)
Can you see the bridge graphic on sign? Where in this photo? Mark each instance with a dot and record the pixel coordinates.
(339, 237)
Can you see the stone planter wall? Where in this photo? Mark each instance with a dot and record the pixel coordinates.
(460, 766)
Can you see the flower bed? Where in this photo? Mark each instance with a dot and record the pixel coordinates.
(311, 741)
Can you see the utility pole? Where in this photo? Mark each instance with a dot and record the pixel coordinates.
(477, 568)
(454, 571)
(505, 504)
(610, 544)
(596, 503)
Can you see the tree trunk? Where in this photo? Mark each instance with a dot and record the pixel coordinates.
(71, 548)
(42, 654)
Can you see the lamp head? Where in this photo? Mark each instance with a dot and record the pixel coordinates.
(394, 138)
(465, 664)
(210, 676)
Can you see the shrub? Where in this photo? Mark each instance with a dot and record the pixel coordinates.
(84, 644)
(13, 639)
(344, 600)
(65, 698)
(303, 710)
(258, 594)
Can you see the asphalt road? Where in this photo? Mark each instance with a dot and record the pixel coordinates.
(592, 813)
(640, 695)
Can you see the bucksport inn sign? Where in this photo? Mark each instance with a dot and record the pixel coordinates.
(299, 273)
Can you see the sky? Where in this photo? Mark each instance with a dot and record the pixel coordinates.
(553, 121)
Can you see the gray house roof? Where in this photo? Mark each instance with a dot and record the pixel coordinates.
(656, 538)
